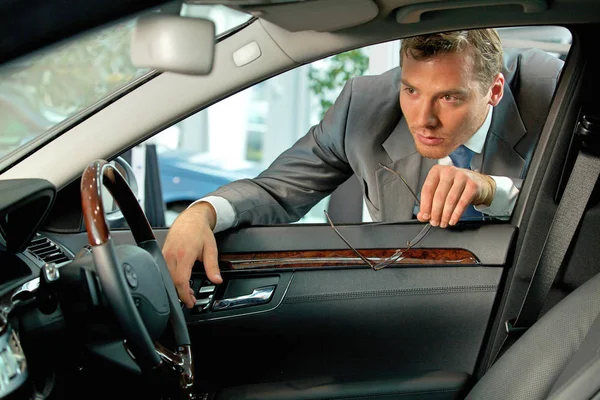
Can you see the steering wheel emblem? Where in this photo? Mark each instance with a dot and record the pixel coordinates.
(131, 276)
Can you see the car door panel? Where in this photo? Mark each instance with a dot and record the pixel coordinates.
(342, 322)
(332, 319)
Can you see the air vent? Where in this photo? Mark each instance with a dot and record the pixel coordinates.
(47, 251)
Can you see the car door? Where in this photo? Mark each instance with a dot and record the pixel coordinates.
(298, 306)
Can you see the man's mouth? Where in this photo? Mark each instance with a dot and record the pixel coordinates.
(429, 140)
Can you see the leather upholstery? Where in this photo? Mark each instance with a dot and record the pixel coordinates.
(529, 368)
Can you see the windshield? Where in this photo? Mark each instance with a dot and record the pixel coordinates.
(47, 88)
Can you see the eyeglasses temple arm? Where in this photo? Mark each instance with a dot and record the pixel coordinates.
(366, 260)
(420, 236)
(403, 181)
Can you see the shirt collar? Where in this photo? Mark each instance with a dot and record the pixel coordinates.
(477, 141)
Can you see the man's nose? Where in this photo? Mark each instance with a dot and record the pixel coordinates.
(427, 116)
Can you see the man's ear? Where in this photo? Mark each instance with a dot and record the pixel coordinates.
(497, 90)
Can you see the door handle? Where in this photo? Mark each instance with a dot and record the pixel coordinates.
(258, 296)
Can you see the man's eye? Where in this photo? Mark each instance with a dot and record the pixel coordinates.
(410, 90)
(450, 98)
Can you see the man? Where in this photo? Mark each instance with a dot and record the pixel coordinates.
(447, 121)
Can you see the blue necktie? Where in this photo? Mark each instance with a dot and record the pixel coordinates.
(461, 158)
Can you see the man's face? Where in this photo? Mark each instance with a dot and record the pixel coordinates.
(443, 101)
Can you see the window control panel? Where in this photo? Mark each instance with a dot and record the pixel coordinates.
(204, 292)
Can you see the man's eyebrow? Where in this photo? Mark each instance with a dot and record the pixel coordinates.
(455, 92)
(405, 82)
(450, 92)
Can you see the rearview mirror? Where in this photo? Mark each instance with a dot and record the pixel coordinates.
(170, 43)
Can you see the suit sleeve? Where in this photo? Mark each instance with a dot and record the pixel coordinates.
(300, 177)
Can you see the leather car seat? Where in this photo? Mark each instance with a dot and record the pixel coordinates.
(557, 358)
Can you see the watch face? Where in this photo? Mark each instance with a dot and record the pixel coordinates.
(13, 366)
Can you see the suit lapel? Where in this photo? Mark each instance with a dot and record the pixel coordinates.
(499, 156)
(395, 200)
(506, 120)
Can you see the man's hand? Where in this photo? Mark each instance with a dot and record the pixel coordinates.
(448, 191)
(191, 238)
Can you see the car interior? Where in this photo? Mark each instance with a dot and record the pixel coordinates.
(504, 308)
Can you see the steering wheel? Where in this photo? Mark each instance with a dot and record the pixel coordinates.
(135, 279)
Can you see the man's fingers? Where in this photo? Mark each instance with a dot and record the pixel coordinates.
(192, 296)
(181, 277)
(191, 239)
(186, 296)
(427, 192)
(445, 184)
(448, 191)
(465, 200)
(176, 275)
(210, 259)
(452, 200)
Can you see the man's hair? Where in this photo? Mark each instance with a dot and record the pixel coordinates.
(484, 44)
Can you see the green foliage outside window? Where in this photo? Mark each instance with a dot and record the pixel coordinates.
(326, 83)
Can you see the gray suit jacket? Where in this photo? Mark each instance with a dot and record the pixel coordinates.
(365, 127)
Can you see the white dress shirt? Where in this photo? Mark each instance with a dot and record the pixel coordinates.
(502, 204)
(506, 191)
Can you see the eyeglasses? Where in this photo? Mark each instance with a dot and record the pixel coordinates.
(397, 256)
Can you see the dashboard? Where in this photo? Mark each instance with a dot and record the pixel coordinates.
(24, 205)
(24, 257)
(59, 330)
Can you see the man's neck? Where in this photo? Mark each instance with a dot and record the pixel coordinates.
(477, 141)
